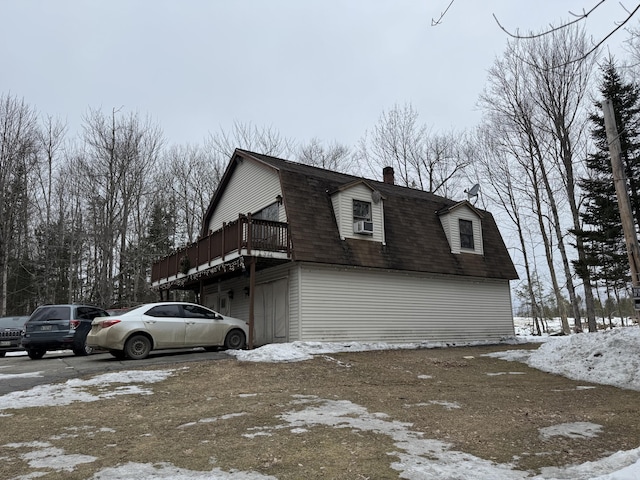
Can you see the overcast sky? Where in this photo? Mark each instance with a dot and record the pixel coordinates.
(306, 68)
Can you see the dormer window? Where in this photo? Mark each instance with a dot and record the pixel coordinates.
(361, 210)
(362, 223)
(466, 234)
(462, 224)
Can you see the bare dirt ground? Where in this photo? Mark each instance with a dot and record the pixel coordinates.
(233, 415)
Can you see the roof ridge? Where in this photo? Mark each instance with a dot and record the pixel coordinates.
(293, 166)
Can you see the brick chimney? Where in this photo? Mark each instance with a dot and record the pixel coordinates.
(388, 176)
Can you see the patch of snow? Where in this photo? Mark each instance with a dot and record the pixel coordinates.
(447, 405)
(9, 376)
(46, 456)
(419, 458)
(212, 419)
(571, 430)
(75, 390)
(300, 351)
(145, 471)
(610, 357)
(619, 466)
(496, 374)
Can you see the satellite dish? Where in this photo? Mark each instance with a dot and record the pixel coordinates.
(376, 196)
(473, 191)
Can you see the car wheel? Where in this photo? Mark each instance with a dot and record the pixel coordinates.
(84, 350)
(36, 353)
(235, 340)
(119, 354)
(137, 347)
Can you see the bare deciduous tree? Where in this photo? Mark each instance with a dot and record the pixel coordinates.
(247, 136)
(420, 160)
(334, 156)
(50, 226)
(116, 164)
(503, 185)
(18, 158)
(192, 175)
(575, 18)
(541, 109)
(397, 141)
(561, 89)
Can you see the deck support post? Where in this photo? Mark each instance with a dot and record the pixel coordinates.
(252, 284)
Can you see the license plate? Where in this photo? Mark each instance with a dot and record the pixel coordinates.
(45, 327)
(5, 344)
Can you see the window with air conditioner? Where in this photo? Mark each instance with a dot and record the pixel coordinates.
(362, 223)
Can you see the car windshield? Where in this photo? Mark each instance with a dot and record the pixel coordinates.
(51, 313)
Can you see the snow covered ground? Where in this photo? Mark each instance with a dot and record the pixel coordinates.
(608, 357)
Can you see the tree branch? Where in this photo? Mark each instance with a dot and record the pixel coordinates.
(439, 20)
(578, 18)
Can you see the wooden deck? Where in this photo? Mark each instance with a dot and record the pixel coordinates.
(243, 236)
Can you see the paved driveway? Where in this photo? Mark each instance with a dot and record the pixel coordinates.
(19, 372)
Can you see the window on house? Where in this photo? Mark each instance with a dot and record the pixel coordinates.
(362, 224)
(466, 234)
(361, 210)
(272, 212)
(265, 235)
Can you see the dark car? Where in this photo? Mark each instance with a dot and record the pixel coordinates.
(11, 334)
(59, 327)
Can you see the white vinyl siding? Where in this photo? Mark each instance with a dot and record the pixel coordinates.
(451, 225)
(366, 305)
(445, 221)
(349, 304)
(251, 188)
(342, 202)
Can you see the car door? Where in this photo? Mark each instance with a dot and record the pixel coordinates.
(204, 327)
(166, 325)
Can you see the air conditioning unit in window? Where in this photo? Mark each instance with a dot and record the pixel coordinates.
(363, 227)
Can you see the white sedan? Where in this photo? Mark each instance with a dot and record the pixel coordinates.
(155, 326)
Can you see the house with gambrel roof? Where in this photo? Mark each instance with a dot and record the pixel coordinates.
(308, 254)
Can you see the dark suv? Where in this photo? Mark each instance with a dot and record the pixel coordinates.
(59, 327)
(11, 334)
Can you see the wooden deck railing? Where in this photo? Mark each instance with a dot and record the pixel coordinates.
(245, 233)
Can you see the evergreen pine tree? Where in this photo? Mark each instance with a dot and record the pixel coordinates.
(602, 229)
(161, 229)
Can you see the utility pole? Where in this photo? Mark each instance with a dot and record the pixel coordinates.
(624, 204)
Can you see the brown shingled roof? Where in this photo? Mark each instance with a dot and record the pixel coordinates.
(415, 239)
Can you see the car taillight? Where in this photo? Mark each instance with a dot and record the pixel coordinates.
(108, 323)
(74, 323)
